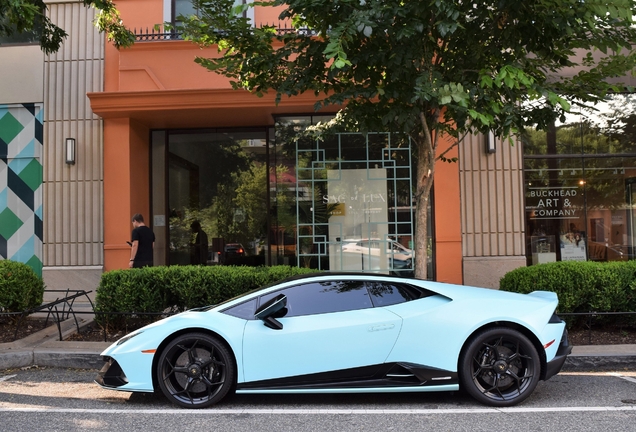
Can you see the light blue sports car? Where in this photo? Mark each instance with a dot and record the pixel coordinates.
(347, 333)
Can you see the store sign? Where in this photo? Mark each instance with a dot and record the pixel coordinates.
(552, 203)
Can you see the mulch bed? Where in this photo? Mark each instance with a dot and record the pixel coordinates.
(27, 327)
(613, 336)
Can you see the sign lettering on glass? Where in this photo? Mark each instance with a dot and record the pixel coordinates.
(552, 203)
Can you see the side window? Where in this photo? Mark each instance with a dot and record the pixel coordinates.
(387, 294)
(323, 297)
(244, 310)
(15, 38)
(182, 7)
(186, 8)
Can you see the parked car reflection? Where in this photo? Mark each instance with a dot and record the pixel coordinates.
(399, 259)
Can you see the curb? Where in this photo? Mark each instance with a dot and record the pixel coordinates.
(45, 349)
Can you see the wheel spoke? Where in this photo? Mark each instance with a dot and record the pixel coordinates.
(186, 389)
(210, 361)
(211, 384)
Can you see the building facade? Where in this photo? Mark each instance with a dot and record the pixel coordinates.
(51, 211)
(155, 133)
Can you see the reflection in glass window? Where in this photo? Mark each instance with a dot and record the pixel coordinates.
(581, 205)
(15, 38)
(343, 203)
(323, 297)
(186, 8)
(387, 294)
(217, 196)
(244, 310)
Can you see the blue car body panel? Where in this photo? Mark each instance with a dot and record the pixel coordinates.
(319, 343)
(426, 332)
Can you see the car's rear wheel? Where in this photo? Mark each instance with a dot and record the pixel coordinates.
(500, 367)
(195, 370)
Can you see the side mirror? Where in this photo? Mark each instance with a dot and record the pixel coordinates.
(269, 311)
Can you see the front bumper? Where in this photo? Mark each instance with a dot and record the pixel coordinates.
(111, 375)
(554, 366)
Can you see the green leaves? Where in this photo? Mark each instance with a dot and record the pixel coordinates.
(334, 50)
(581, 286)
(20, 288)
(30, 15)
(157, 289)
(453, 92)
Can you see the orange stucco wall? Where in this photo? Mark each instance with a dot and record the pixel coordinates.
(126, 186)
(448, 235)
(158, 85)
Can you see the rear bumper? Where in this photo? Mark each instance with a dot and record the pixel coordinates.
(554, 366)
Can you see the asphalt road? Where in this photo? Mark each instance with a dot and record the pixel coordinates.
(53, 399)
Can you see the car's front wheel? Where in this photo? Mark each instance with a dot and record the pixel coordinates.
(500, 367)
(195, 370)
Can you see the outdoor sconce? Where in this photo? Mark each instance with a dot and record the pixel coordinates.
(490, 142)
(70, 151)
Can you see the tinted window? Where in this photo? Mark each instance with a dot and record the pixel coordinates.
(386, 293)
(244, 310)
(323, 297)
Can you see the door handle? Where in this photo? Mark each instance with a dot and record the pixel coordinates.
(381, 327)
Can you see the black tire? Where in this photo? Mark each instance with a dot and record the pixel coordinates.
(196, 370)
(500, 367)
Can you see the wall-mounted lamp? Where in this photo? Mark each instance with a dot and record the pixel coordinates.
(490, 142)
(70, 151)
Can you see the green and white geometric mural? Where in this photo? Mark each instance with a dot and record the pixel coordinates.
(21, 133)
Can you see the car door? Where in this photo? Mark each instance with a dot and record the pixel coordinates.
(329, 326)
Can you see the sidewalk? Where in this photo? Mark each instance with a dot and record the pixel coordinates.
(45, 349)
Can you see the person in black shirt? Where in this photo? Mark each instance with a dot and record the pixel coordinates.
(143, 241)
(199, 250)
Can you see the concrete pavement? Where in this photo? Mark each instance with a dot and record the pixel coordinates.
(45, 349)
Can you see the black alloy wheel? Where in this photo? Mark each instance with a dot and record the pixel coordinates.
(500, 367)
(195, 370)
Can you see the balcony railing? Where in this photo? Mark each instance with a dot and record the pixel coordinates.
(160, 33)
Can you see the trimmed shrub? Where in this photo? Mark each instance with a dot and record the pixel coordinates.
(177, 288)
(20, 288)
(584, 286)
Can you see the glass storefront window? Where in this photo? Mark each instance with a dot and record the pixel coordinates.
(351, 205)
(269, 196)
(578, 186)
(216, 206)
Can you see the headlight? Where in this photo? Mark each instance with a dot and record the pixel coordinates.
(128, 337)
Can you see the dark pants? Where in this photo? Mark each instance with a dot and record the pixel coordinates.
(140, 264)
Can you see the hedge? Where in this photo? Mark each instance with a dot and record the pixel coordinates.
(21, 288)
(178, 288)
(585, 286)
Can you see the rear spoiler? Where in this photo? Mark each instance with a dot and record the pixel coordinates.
(548, 295)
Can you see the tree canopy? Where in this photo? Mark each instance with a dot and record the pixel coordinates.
(426, 68)
(19, 16)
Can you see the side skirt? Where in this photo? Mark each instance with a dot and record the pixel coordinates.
(385, 377)
(436, 388)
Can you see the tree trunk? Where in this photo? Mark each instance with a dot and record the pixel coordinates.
(425, 150)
